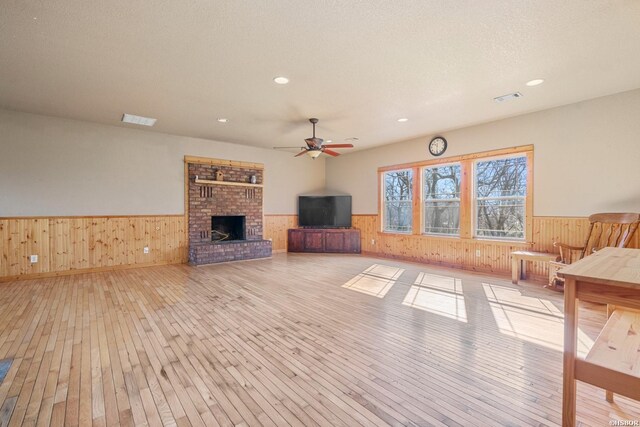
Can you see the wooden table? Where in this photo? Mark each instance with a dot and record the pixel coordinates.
(609, 276)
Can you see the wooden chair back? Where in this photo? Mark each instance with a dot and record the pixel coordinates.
(605, 229)
(610, 230)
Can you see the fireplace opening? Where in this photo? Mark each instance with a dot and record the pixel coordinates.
(227, 228)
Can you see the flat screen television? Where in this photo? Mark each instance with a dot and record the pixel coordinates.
(324, 211)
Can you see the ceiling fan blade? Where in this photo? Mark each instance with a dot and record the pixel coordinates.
(331, 153)
(338, 145)
(300, 153)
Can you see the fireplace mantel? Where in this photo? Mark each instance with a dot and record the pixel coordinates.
(239, 184)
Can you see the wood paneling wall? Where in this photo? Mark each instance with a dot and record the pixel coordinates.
(68, 244)
(275, 228)
(65, 244)
(495, 257)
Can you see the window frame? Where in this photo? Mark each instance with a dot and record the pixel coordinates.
(423, 200)
(467, 194)
(383, 204)
(474, 199)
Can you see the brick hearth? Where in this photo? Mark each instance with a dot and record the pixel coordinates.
(208, 253)
(206, 201)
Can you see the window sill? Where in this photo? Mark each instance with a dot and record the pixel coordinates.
(400, 233)
(443, 236)
(511, 242)
(502, 242)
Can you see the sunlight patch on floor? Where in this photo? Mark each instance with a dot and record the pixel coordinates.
(376, 280)
(532, 319)
(441, 295)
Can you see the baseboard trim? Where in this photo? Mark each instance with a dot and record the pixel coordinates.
(84, 271)
(155, 264)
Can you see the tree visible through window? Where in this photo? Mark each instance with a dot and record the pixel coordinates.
(397, 214)
(501, 190)
(442, 200)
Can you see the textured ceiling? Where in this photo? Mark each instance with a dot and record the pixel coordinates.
(356, 65)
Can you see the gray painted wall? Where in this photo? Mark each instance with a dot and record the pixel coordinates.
(54, 167)
(586, 157)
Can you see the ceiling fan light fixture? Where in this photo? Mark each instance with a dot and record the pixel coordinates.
(316, 146)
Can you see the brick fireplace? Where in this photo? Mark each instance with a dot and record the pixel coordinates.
(225, 211)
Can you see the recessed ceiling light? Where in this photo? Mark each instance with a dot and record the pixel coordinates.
(138, 120)
(535, 82)
(281, 80)
(329, 140)
(403, 119)
(223, 120)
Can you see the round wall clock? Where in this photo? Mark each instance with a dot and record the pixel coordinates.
(437, 146)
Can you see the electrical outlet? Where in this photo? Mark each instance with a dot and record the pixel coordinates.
(477, 252)
(33, 258)
(146, 249)
(373, 241)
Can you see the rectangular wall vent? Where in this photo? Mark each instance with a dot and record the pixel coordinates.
(508, 97)
(138, 120)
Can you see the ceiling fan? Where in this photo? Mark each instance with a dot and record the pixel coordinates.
(315, 146)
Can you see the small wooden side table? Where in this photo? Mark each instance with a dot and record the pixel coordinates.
(519, 259)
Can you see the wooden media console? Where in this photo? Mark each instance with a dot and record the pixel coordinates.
(336, 240)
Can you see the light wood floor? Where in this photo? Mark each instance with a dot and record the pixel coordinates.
(328, 340)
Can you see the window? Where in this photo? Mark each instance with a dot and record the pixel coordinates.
(500, 196)
(397, 199)
(441, 192)
(484, 195)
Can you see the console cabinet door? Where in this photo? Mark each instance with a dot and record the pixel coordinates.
(352, 241)
(334, 241)
(295, 241)
(314, 241)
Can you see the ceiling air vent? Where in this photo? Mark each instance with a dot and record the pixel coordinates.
(138, 120)
(508, 97)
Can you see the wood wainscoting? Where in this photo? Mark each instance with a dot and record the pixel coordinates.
(495, 256)
(275, 228)
(65, 245)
